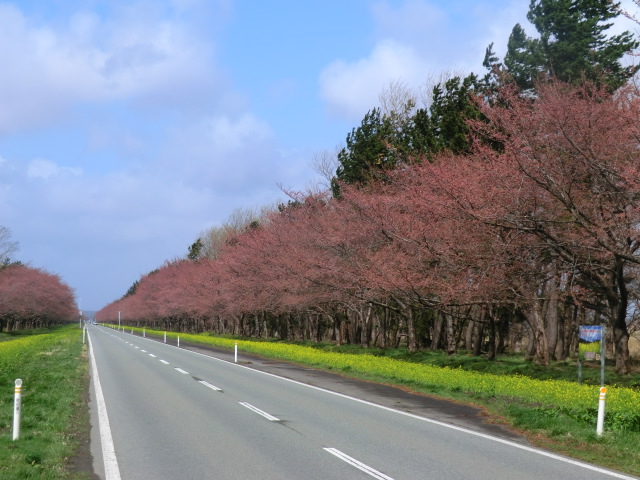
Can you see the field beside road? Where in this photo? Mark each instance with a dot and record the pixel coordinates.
(53, 368)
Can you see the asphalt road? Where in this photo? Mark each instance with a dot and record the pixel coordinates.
(176, 413)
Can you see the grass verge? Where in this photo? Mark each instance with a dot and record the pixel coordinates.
(52, 365)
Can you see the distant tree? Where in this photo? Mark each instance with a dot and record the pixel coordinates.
(132, 288)
(572, 46)
(451, 109)
(368, 152)
(215, 239)
(7, 247)
(31, 298)
(399, 133)
(325, 164)
(195, 250)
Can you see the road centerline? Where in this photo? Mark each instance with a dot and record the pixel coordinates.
(260, 412)
(208, 385)
(359, 465)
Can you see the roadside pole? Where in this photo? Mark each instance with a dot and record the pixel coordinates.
(602, 355)
(17, 409)
(601, 402)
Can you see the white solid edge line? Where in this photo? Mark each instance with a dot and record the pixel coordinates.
(111, 470)
(544, 453)
(359, 465)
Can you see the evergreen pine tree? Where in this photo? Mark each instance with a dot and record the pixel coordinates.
(572, 44)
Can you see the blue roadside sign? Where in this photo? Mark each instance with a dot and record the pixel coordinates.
(590, 333)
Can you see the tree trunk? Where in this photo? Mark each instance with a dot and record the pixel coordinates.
(478, 333)
(620, 331)
(366, 326)
(383, 322)
(551, 317)
(533, 316)
(437, 332)
(491, 346)
(450, 334)
(411, 331)
(468, 335)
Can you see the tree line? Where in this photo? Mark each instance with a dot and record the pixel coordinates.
(499, 216)
(30, 297)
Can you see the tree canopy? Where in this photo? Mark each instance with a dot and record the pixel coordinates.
(572, 45)
(503, 211)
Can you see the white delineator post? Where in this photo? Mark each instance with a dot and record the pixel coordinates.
(165, 337)
(178, 341)
(600, 425)
(17, 408)
(235, 356)
(144, 333)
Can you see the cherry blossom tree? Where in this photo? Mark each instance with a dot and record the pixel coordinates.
(570, 160)
(32, 298)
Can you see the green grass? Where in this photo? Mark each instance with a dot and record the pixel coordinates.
(52, 365)
(545, 403)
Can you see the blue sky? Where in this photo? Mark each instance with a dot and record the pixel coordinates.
(128, 128)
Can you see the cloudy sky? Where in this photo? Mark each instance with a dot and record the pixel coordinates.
(129, 127)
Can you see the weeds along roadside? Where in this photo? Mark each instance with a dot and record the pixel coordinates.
(559, 415)
(52, 365)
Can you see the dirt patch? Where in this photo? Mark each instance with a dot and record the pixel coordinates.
(80, 465)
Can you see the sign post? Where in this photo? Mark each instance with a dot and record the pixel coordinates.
(588, 337)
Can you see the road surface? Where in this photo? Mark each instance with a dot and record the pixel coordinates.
(174, 413)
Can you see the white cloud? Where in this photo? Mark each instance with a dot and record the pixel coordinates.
(414, 21)
(135, 56)
(417, 41)
(350, 89)
(45, 169)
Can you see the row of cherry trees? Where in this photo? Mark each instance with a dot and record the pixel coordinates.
(515, 243)
(33, 298)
